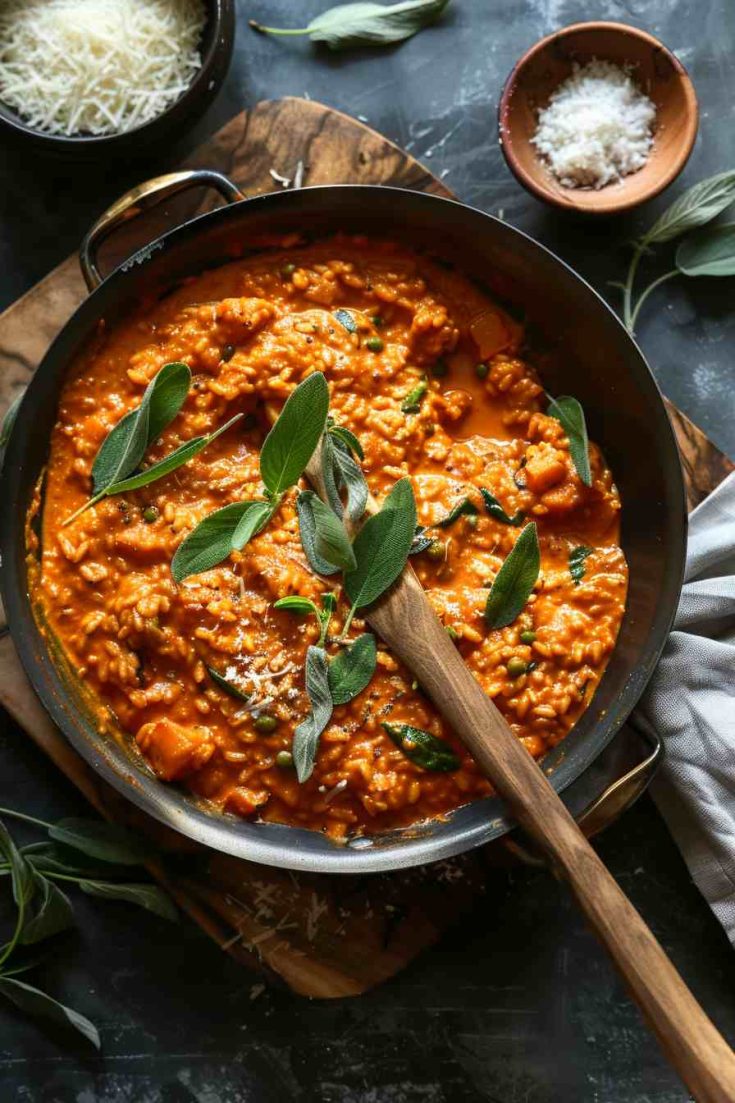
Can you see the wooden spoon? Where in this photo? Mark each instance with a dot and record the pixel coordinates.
(692, 1043)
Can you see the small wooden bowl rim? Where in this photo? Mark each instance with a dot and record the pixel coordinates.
(589, 201)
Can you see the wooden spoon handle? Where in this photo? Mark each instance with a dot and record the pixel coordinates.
(405, 620)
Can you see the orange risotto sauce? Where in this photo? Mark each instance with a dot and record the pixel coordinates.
(250, 331)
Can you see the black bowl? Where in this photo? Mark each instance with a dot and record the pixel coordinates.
(218, 39)
(590, 355)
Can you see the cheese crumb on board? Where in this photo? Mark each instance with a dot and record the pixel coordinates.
(97, 66)
(597, 127)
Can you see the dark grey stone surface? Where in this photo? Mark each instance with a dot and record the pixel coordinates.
(517, 1004)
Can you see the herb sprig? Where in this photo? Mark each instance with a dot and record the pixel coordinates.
(515, 580)
(365, 24)
(285, 453)
(93, 855)
(708, 254)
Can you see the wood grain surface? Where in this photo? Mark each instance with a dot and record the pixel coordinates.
(322, 936)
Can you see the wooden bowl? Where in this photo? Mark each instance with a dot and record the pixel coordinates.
(659, 74)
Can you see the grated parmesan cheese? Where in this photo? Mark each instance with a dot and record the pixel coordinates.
(597, 127)
(97, 66)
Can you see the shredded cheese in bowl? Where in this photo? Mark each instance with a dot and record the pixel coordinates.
(97, 67)
(597, 127)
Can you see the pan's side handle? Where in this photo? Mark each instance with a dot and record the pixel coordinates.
(141, 198)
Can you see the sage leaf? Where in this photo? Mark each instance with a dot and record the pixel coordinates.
(709, 253)
(50, 857)
(53, 913)
(307, 532)
(347, 320)
(331, 542)
(515, 580)
(381, 547)
(465, 506)
(330, 475)
(211, 541)
(147, 896)
(348, 438)
(412, 402)
(9, 421)
(21, 875)
(226, 685)
(252, 521)
(365, 24)
(496, 511)
(101, 840)
(347, 473)
(306, 736)
(126, 443)
(296, 604)
(169, 463)
(577, 557)
(698, 205)
(40, 1005)
(569, 412)
(291, 442)
(423, 748)
(351, 670)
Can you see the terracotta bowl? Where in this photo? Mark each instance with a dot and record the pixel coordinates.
(656, 71)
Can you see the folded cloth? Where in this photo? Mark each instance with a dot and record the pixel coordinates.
(690, 702)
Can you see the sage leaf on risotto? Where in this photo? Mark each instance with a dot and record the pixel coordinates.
(331, 541)
(515, 580)
(569, 412)
(306, 736)
(423, 748)
(352, 669)
(381, 547)
(291, 442)
(211, 541)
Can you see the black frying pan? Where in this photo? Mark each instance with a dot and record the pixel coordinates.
(590, 355)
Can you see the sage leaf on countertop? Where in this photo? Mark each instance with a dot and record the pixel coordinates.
(697, 206)
(21, 874)
(569, 412)
(125, 445)
(515, 580)
(37, 1003)
(381, 547)
(211, 541)
(423, 748)
(142, 894)
(709, 253)
(306, 736)
(577, 567)
(53, 913)
(291, 442)
(365, 24)
(496, 511)
(307, 532)
(227, 686)
(181, 455)
(101, 840)
(352, 669)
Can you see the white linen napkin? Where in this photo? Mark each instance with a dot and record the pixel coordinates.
(690, 702)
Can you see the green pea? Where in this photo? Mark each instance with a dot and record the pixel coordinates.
(377, 321)
(288, 270)
(481, 371)
(151, 514)
(436, 551)
(528, 637)
(375, 344)
(440, 369)
(516, 667)
(284, 759)
(265, 724)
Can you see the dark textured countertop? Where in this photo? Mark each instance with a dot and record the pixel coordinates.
(517, 1004)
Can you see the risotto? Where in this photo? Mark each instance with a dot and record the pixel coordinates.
(433, 380)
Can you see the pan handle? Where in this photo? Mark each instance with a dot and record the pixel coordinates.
(141, 198)
(611, 803)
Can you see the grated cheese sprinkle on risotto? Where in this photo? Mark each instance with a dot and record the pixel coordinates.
(97, 66)
(597, 127)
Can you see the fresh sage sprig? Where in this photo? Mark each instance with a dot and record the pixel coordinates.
(90, 854)
(423, 748)
(515, 580)
(304, 605)
(577, 566)
(127, 442)
(285, 453)
(365, 24)
(569, 412)
(696, 207)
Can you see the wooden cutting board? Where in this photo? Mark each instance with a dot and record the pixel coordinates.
(323, 936)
